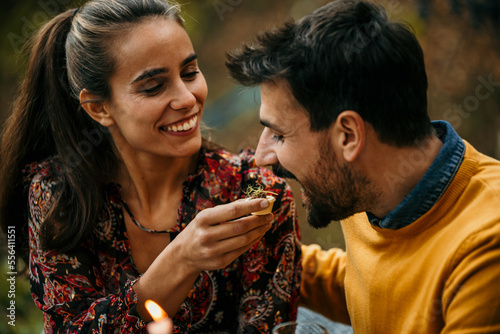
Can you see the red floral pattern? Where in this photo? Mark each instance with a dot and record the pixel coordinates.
(89, 290)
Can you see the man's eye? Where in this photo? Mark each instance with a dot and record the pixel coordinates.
(278, 138)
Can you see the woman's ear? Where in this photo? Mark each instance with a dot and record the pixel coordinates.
(349, 134)
(94, 107)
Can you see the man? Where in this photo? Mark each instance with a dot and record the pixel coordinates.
(345, 113)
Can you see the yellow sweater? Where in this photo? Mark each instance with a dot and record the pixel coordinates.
(440, 274)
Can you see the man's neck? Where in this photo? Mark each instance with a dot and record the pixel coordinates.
(396, 171)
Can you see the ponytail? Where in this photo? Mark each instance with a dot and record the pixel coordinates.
(45, 122)
(27, 134)
(70, 53)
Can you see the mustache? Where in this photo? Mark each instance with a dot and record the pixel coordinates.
(280, 171)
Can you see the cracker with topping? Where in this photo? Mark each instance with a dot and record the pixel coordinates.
(259, 192)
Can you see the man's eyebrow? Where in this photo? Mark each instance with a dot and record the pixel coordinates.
(153, 72)
(271, 126)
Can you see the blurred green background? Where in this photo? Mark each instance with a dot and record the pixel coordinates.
(461, 46)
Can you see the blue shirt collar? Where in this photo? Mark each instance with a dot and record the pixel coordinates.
(432, 185)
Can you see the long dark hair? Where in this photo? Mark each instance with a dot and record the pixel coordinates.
(70, 53)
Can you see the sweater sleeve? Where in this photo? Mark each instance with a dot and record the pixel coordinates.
(471, 297)
(322, 288)
(69, 287)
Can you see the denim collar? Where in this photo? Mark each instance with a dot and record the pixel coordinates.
(432, 185)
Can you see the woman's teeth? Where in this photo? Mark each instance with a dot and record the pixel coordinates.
(186, 126)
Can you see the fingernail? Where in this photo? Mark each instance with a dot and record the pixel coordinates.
(264, 204)
(269, 218)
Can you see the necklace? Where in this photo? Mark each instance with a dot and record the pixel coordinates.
(136, 222)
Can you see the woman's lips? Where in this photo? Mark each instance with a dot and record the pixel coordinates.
(183, 126)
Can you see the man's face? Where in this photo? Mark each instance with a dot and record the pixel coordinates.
(331, 188)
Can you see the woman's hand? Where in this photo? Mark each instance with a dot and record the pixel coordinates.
(217, 236)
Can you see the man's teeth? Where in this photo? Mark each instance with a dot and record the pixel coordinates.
(184, 127)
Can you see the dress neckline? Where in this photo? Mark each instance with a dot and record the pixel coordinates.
(136, 222)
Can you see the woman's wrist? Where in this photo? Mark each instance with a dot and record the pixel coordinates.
(167, 282)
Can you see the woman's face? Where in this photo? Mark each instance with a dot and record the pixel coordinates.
(157, 91)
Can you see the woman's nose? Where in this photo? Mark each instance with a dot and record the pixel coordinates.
(183, 97)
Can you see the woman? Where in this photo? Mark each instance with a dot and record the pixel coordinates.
(126, 202)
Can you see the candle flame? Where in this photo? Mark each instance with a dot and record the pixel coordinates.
(155, 310)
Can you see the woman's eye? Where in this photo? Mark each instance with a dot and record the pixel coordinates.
(190, 75)
(152, 90)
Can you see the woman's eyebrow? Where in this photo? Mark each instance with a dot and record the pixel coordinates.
(149, 74)
(189, 59)
(153, 72)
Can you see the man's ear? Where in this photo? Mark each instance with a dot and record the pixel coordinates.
(94, 106)
(349, 134)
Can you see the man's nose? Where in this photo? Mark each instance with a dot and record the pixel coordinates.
(265, 154)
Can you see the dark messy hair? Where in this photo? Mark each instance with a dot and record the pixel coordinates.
(70, 53)
(347, 55)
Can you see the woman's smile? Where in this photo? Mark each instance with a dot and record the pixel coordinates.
(183, 127)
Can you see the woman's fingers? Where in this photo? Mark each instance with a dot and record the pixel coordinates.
(217, 236)
(240, 231)
(245, 225)
(231, 211)
(240, 226)
(226, 251)
(243, 231)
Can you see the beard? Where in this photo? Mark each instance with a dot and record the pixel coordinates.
(335, 191)
(332, 191)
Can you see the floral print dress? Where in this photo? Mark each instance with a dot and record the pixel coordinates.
(90, 289)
